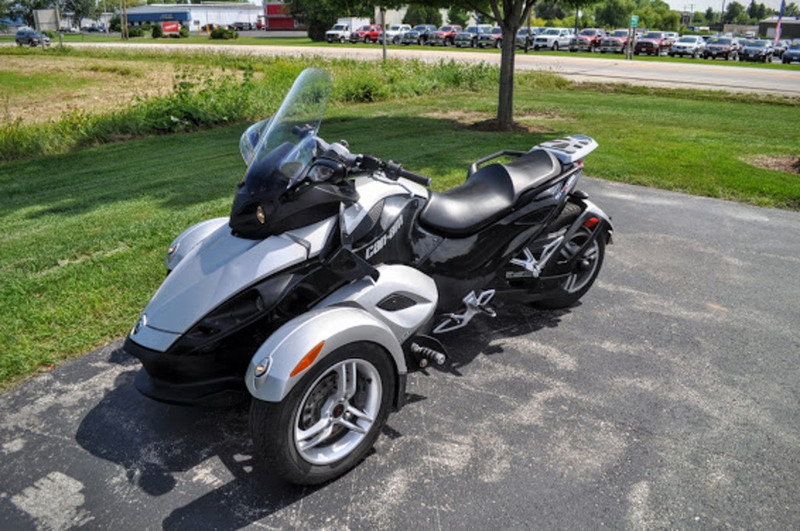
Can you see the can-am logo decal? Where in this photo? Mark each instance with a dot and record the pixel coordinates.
(381, 242)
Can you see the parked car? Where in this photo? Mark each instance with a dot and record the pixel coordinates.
(688, 45)
(553, 39)
(469, 37)
(614, 42)
(653, 43)
(419, 34)
(791, 54)
(444, 36)
(242, 26)
(588, 40)
(32, 38)
(759, 50)
(781, 48)
(523, 35)
(368, 33)
(395, 33)
(493, 39)
(725, 47)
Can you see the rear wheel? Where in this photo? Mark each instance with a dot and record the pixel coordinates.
(584, 274)
(330, 419)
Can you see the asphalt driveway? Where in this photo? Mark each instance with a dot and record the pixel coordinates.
(667, 398)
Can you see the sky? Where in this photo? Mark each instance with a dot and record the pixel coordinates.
(716, 5)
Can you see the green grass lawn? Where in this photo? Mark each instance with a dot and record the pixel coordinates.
(82, 235)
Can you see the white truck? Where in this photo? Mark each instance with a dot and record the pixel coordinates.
(344, 27)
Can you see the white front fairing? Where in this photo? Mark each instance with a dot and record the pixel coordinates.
(215, 270)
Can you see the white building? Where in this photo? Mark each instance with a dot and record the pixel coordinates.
(193, 16)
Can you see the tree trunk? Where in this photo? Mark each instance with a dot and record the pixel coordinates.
(505, 103)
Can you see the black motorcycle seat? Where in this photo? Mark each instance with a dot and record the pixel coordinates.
(487, 194)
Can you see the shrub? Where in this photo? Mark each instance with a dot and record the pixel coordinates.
(184, 32)
(135, 32)
(224, 34)
(157, 31)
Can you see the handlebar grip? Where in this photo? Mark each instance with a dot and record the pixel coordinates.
(415, 177)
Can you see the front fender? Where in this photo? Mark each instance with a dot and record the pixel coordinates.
(189, 238)
(336, 326)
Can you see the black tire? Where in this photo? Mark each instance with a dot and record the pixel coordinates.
(555, 46)
(498, 43)
(579, 283)
(341, 40)
(273, 425)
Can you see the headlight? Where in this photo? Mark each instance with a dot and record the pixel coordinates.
(172, 250)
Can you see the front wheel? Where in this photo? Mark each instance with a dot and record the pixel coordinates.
(330, 419)
(580, 279)
(555, 46)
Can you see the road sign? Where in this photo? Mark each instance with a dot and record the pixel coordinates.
(634, 21)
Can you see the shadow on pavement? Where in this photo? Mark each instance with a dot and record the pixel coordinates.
(155, 443)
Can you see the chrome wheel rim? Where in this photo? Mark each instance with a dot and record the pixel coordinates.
(580, 276)
(337, 412)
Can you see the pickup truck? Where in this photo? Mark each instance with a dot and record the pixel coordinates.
(368, 33)
(588, 40)
(553, 39)
(614, 42)
(444, 36)
(653, 43)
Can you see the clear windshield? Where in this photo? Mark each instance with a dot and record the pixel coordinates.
(285, 143)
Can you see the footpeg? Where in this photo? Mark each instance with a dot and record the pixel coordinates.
(473, 304)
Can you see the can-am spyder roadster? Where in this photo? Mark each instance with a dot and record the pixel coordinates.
(335, 272)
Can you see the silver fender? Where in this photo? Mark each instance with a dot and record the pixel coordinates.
(386, 312)
(189, 238)
(336, 326)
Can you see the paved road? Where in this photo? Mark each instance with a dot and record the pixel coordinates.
(667, 399)
(700, 75)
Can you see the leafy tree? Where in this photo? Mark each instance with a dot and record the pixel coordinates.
(735, 14)
(81, 9)
(755, 11)
(614, 13)
(698, 19)
(422, 14)
(791, 10)
(577, 6)
(550, 10)
(5, 8)
(710, 15)
(458, 16)
(24, 9)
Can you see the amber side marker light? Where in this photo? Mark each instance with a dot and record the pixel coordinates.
(307, 360)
